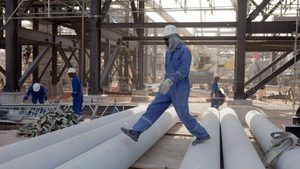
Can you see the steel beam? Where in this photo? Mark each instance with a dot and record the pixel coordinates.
(105, 9)
(33, 65)
(44, 37)
(163, 24)
(211, 38)
(110, 63)
(54, 55)
(131, 65)
(265, 17)
(251, 27)
(140, 82)
(44, 70)
(106, 50)
(35, 50)
(82, 57)
(11, 46)
(257, 10)
(26, 7)
(2, 71)
(289, 63)
(239, 66)
(266, 68)
(95, 61)
(65, 66)
(64, 56)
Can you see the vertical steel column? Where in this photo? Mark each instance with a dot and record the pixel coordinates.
(11, 46)
(140, 82)
(54, 54)
(154, 67)
(1, 23)
(106, 59)
(94, 81)
(239, 73)
(35, 49)
(82, 57)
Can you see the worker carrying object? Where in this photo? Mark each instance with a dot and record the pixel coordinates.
(38, 93)
(175, 89)
(77, 93)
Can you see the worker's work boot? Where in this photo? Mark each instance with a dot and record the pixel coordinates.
(200, 140)
(134, 135)
(80, 118)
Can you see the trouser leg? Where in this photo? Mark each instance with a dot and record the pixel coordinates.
(182, 109)
(154, 111)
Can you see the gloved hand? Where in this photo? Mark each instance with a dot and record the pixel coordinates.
(165, 86)
(25, 98)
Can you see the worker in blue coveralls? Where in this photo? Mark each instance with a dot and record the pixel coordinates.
(174, 89)
(77, 93)
(215, 93)
(37, 92)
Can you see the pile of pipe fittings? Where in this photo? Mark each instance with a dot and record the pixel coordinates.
(49, 122)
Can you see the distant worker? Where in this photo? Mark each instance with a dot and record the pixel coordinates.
(215, 93)
(37, 92)
(174, 89)
(77, 93)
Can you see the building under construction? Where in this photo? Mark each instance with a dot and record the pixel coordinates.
(118, 50)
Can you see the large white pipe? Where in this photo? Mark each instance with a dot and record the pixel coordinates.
(121, 152)
(56, 154)
(24, 147)
(262, 129)
(207, 154)
(238, 152)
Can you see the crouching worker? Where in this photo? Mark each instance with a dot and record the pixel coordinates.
(37, 92)
(77, 93)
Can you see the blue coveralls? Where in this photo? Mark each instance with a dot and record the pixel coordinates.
(77, 95)
(215, 96)
(177, 65)
(40, 96)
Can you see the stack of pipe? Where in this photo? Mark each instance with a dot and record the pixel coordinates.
(78, 145)
(262, 129)
(121, 152)
(32, 146)
(207, 154)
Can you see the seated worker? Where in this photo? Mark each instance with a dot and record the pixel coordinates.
(38, 93)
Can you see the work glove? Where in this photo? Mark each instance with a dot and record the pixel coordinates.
(25, 98)
(164, 87)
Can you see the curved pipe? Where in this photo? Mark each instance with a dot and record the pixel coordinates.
(121, 152)
(205, 155)
(24, 147)
(238, 152)
(262, 129)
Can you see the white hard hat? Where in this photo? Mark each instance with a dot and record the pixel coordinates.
(169, 30)
(36, 87)
(71, 70)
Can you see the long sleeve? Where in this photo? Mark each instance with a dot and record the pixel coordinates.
(28, 93)
(183, 68)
